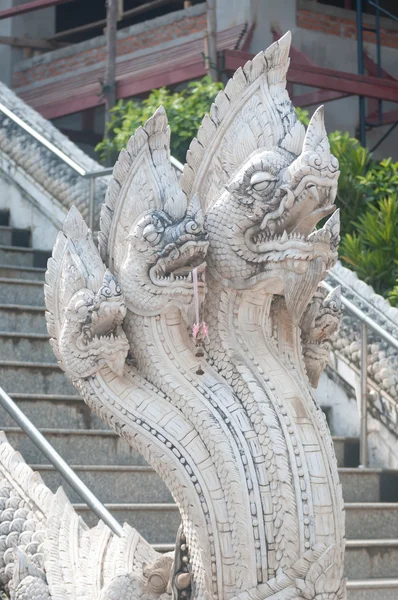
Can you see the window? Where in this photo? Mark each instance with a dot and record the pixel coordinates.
(73, 19)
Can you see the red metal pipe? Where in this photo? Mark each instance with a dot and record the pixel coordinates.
(317, 97)
(387, 118)
(30, 7)
(329, 79)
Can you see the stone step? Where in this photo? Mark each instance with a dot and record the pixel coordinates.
(126, 475)
(77, 447)
(371, 520)
(369, 485)
(20, 377)
(26, 347)
(111, 483)
(61, 411)
(22, 318)
(4, 216)
(11, 236)
(389, 514)
(12, 272)
(347, 451)
(372, 589)
(23, 257)
(371, 559)
(157, 523)
(21, 291)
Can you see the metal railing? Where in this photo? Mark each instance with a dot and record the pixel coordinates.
(366, 322)
(67, 473)
(84, 173)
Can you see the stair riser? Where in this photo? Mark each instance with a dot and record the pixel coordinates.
(26, 349)
(116, 487)
(360, 487)
(22, 321)
(371, 563)
(381, 594)
(4, 217)
(35, 380)
(21, 293)
(347, 452)
(78, 449)
(14, 237)
(18, 258)
(53, 414)
(21, 273)
(371, 523)
(158, 526)
(5, 237)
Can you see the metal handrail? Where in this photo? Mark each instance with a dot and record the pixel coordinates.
(67, 473)
(363, 404)
(357, 312)
(37, 136)
(91, 175)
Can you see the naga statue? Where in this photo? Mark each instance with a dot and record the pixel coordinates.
(196, 330)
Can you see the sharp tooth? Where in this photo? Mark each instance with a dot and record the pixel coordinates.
(284, 236)
(171, 277)
(189, 277)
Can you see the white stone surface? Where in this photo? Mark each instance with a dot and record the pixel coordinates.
(227, 416)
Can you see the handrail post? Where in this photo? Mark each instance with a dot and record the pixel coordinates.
(67, 473)
(363, 442)
(91, 204)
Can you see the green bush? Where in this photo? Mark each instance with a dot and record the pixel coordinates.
(372, 249)
(370, 222)
(354, 161)
(185, 111)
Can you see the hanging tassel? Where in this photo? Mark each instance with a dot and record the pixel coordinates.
(200, 332)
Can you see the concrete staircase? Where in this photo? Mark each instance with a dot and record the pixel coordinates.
(119, 476)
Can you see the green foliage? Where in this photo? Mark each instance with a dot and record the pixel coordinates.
(370, 222)
(372, 250)
(185, 111)
(380, 180)
(303, 116)
(354, 161)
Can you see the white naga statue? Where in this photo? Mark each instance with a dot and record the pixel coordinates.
(224, 411)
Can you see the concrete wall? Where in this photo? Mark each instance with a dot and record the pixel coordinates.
(336, 394)
(339, 402)
(29, 207)
(37, 24)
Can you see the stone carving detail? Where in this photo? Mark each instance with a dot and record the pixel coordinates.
(85, 305)
(48, 552)
(319, 324)
(237, 437)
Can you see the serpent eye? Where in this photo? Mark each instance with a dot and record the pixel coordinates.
(151, 234)
(262, 181)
